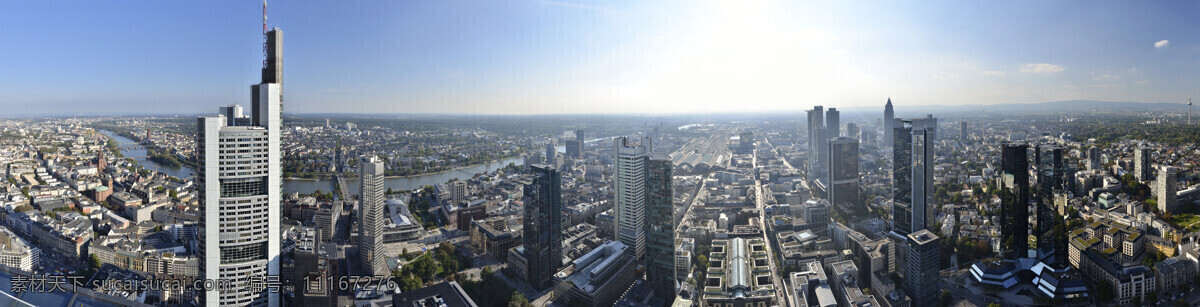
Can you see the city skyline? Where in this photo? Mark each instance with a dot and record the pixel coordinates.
(567, 57)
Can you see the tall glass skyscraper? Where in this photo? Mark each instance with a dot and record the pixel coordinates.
(542, 234)
(660, 227)
(843, 172)
(238, 182)
(912, 173)
(1014, 198)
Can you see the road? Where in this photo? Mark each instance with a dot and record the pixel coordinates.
(760, 203)
(691, 204)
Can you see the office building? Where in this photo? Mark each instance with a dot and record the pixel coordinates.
(370, 223)
(833, 123)
(1165, 187)
(446, 294)
(921, 272)
(574, 149)
(660, 227)
(1014, 197)
(1093, 158)
(313, 270)
(912, 173)
(1142, 170)
(843, 173)
(543, 225)
(458, 193)
(816, 141)
(631, 160)
(551, 152)
(852, 130)
(962, 130)
(1053, 171)
(16, 252)
(238, 182)
(889, 117)
(597, 278)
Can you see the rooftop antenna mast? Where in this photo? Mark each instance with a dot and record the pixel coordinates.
(264, 33)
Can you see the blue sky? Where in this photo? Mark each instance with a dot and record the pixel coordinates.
(561, 56)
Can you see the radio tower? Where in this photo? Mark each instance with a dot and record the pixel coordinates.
(1189, 110)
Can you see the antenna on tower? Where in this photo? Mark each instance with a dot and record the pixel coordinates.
(265, 34)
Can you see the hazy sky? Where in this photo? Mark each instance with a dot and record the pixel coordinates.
(565, 56)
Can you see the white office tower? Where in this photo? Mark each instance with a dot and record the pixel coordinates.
(370, 222)
(631, 192)
(239, 189)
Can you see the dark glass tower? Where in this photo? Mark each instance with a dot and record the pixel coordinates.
(843, 172)
(543, 225)
(901, 175)
(660, 227)
(1014, 197)
(1053, 178)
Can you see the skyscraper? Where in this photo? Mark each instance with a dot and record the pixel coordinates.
(1014, 197)
(458, 192)
(630, 178)
(962, 130)
(370, 221)
(542, 235)
(843, 172)
(912, 173)
(1141, 164)
(888, 122)
(240, 204)
(1054, 174)
(921, 272)
(1093, 158)
(833, 123)
(1165, 187)
(816, 143)
(660, 227)
(551, 152)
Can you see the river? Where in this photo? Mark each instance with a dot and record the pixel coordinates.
(182, 172)
(311, 185)
(399, 183)
(412, 182)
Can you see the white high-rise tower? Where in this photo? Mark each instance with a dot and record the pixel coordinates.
(631, 192)
(239, 189)
(370, 222)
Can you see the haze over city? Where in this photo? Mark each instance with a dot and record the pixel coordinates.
(558, 153)
(596, 57)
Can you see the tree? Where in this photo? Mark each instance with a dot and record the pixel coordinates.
(518, 300)
(410, 283)
(93, 262)
(945, 298)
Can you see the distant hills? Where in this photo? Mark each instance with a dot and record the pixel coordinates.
(1091, 106)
